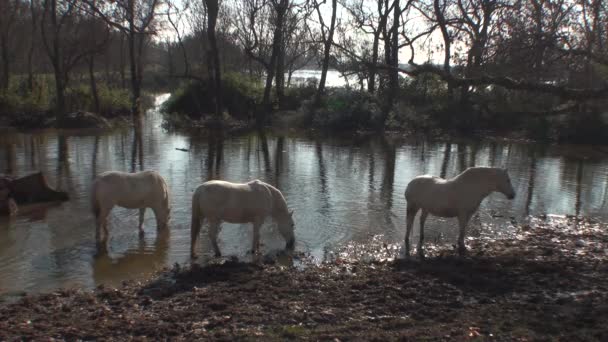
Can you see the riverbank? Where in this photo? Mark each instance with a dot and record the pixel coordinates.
(550, 281)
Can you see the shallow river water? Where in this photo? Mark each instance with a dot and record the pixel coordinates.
(342, 189)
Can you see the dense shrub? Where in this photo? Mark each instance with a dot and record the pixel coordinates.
(343, 109)
(112, 102)
(24, 108)
(240, 96)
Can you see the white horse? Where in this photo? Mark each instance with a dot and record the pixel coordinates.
(457, 197)
(239, 203)
(141, 190)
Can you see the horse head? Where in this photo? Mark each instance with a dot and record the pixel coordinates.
(165, 216)
(504, 184)
(286, 227)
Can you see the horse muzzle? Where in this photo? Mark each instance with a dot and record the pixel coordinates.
(290, 244)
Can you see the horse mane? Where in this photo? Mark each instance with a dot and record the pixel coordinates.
(475, 171)
(278, 200)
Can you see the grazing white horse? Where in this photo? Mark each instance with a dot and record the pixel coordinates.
(251, 202)
(457, 197)
(141, 190)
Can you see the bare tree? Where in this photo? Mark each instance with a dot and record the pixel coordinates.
(63, 36)
(327, 36)
(214, 54)
(135, 19)
(8, 16)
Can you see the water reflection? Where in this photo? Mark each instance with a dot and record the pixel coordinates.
(341, 189)
(136, 263)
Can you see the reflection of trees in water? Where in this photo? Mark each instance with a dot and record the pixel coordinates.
(278, 160)
(215, 152)
(462, 157)
(493, 153)
(325, 206)
(579, 188)
(133, 263)
(447, 154)
(473, 156)
(265, 152)
(63, 161)
(531, 181)
(11, 158)
(388, 180)
(95, 156)
(137, 151)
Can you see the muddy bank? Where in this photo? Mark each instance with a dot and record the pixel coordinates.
(548, 282)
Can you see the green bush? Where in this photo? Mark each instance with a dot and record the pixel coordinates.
(343, 109)
(240, 96)
(296, 95)
(112, 102)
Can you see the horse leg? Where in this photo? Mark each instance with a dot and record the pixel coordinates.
(101, 223)
(195, 229)
(423, 216)
(214, 230)
(409, 218)
(142, 212)
(256, 236)
(463, 219)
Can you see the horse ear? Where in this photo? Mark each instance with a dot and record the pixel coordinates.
(291, 213)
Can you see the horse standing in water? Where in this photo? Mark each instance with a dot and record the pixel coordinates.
(239, 203)
(141, 190)
(457, 197)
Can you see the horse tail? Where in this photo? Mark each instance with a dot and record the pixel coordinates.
(196, 221)
(94, 201)
(195, 226)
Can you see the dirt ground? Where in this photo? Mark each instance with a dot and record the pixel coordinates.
(549, 282)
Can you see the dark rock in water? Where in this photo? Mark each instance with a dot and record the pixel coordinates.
(35, 188)
(8, 207)
(28, 189)
(83, 120)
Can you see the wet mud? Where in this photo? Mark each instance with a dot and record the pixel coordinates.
(548, 282)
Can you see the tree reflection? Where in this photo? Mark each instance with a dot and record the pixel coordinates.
(447, 154)
(134, 263)
(137, 151)
(531, 181)
(215, 151)
(278, 160)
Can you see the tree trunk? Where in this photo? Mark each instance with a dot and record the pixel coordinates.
(123, 80)
(60, 95)
(326, 50)
(446, 41)
(214, 55)
(135, 85)
(394, 62)
(30, 52)
(280, 9)
(371, 83)
(5, 81)
(280, 84)
(93, 84)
